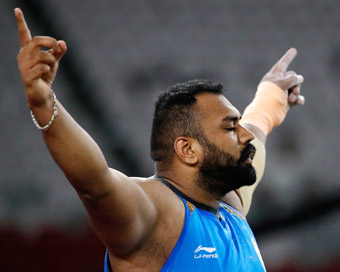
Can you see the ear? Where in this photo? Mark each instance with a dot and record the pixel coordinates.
(188, 150)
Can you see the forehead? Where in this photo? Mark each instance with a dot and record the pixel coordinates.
(215, 107)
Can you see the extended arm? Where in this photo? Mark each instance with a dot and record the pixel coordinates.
(278, 90)
(104, 192)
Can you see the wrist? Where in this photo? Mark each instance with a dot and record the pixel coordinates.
(43, 116)
(268, 109)
(40, 103)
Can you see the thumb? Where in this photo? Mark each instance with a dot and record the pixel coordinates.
(62, 48)
(293, 80)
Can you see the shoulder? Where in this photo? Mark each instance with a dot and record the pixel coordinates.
(169, 225)
(165, 199)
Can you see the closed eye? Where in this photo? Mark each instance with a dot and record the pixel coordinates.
(231, 129)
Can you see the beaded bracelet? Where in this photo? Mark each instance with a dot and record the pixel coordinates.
(54, 115)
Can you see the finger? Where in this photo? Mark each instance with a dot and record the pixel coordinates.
(24, 32)
(43, 41)
(296, 90)
(296, 99)
(37, 72)
(293, 80)
(292, 98)
(299, 79)
(300, 100)
(62, 50)
(285, 61)
(42, 57)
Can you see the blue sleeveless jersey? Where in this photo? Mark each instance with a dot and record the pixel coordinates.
(209, 242)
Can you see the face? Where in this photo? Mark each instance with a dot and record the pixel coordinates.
(227, 153)
(221, 173)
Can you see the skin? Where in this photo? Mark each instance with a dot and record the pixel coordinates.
(138, 219)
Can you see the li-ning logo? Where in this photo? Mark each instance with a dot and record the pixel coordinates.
(208, 253)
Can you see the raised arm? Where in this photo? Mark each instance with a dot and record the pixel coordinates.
(104, 192)
(278, 90)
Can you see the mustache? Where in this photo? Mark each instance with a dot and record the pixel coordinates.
(248, 151)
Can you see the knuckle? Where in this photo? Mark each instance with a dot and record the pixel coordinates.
(300, 78)
(22, 32)
(40, 56)
(44, 68)
(48, 58)
(20, 54)
(35, 39)
(27, 81)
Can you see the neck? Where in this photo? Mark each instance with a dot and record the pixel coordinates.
(186, 184)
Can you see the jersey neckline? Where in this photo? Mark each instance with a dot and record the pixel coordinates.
(196, 203)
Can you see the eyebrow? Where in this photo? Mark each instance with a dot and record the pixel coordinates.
(231, 118)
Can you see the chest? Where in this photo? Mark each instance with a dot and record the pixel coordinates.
(215, 243)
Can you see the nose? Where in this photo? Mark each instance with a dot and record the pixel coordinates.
(245, 136)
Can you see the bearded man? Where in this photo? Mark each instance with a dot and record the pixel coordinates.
(190, 216)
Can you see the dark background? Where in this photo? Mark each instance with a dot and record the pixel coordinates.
(121, 54)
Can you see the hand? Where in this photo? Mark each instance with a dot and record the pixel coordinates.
(286, 80)
(37, 67)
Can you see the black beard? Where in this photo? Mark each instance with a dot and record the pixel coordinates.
(221, 173)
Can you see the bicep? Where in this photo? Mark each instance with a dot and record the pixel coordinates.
(120, 211)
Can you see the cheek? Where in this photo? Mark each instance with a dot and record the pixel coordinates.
(230, 144)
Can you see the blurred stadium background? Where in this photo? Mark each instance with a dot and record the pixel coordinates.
(121, 54)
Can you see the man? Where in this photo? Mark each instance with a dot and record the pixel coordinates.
(191, 215)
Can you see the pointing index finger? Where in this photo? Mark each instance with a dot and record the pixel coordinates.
(285, 61)
(24, 32)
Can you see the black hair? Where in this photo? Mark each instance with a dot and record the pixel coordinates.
(175, 115)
